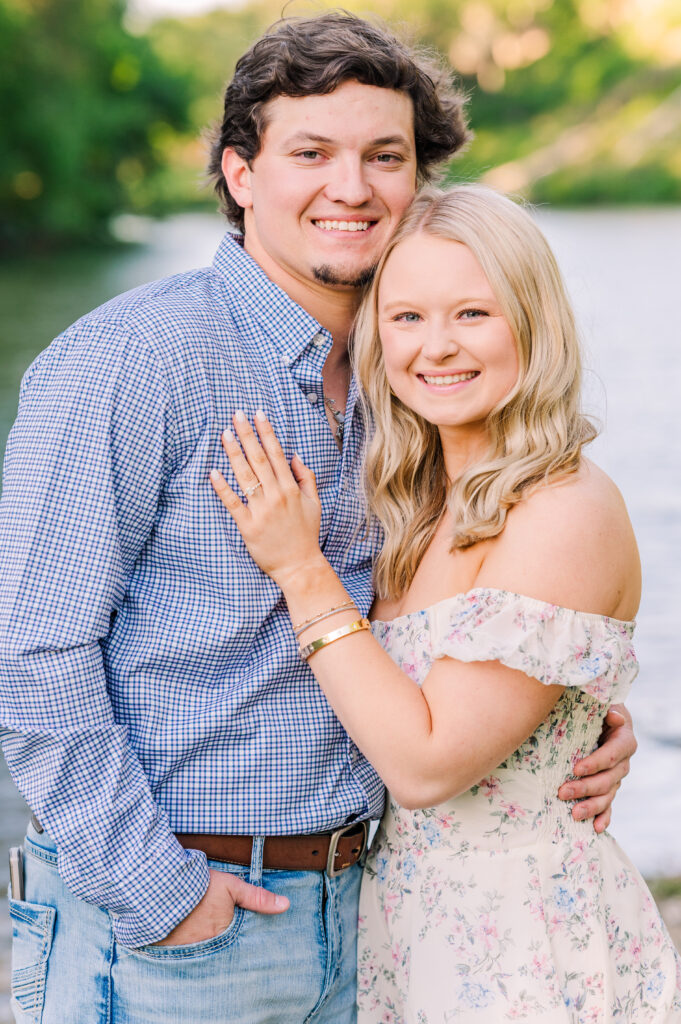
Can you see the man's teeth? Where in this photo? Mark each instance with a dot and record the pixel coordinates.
(343, 225)
(454, 378)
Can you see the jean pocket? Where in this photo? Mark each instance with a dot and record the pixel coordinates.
(32, 931)
(195, 950)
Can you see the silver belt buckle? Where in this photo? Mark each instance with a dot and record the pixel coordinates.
(331, 869)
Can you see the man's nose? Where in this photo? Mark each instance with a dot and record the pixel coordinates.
(348, 182)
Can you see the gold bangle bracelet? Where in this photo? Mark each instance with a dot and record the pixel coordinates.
(329, 638)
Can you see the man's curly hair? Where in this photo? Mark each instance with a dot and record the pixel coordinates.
(312, 57)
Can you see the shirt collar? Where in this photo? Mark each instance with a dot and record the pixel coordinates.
(287, 324)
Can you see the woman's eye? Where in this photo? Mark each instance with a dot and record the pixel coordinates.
(471, 314)
(409, 317)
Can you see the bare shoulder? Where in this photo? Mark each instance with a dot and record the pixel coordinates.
(570, 542)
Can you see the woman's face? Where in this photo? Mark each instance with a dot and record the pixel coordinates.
(448, 350)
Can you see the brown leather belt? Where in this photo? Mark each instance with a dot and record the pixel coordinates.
(332, 852)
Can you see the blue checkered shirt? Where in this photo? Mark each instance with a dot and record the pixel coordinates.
(149, 677)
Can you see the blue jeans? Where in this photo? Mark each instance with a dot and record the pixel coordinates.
(67, 967)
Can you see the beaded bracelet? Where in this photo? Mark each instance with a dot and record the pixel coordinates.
(302, 626)
(330, 638)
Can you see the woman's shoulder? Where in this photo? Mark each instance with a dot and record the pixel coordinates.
(569, 542)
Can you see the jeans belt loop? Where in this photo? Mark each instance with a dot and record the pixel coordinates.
(331, 869)
(255, 872)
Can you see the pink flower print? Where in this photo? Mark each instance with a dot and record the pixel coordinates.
(487, 930)
(556, 923)
(490, 786)
(540, 965)
(389, 901)
(559, 732)
(519, 1010)
(635, 948)
(579, 848)
(599, 688)
(514, 811)
(537, 909)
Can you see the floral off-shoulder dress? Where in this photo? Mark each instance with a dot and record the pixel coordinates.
(496, 905)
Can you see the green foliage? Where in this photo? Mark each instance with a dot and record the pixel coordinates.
(568, 105)
(85, 103)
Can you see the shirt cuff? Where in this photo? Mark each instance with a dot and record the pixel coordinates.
(170, 890)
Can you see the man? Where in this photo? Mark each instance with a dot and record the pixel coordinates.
(155, 711)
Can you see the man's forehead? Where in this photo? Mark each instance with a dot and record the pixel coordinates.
(320, 116)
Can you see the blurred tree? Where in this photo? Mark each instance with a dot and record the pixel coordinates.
(87, 109)
(570, 100)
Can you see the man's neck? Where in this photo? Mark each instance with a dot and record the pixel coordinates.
(334, 307)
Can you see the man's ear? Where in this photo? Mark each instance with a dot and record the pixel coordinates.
(238, 177)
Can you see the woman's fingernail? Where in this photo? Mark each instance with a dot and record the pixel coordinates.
(240, 416)
(228, 434)
(214, 475)
(580, 812)
(260, 415)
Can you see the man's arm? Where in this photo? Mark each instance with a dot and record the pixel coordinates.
(84, 470)
(602, 772)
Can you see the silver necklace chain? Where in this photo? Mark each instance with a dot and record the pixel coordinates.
(338, 415)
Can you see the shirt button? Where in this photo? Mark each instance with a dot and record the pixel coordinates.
(312, 398)
(318, 340)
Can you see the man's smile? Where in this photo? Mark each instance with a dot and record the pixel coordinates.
(344, 225)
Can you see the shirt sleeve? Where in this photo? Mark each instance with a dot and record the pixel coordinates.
(84, 471)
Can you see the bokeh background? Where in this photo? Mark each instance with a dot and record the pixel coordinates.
(576, 106)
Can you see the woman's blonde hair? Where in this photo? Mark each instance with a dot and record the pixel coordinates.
(536, 432)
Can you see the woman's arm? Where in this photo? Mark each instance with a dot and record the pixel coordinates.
(428, 743)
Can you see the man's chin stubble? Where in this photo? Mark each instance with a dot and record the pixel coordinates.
(327, 275)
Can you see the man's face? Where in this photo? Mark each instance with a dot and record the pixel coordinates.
(332, 178)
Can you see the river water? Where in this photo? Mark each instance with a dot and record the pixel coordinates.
(623, 270)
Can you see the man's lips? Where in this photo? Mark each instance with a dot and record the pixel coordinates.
(347, 226)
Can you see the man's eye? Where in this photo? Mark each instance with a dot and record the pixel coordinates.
(309, 154)
(387, 158)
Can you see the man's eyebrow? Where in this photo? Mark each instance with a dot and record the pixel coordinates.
(386, 140)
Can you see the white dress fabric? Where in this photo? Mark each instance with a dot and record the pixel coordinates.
(496, 905)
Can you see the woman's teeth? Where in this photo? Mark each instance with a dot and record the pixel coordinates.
(454, 378)
(343, 225)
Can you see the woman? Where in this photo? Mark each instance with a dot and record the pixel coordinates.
(507, 589)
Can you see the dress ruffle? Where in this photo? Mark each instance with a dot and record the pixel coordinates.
(555, 645)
